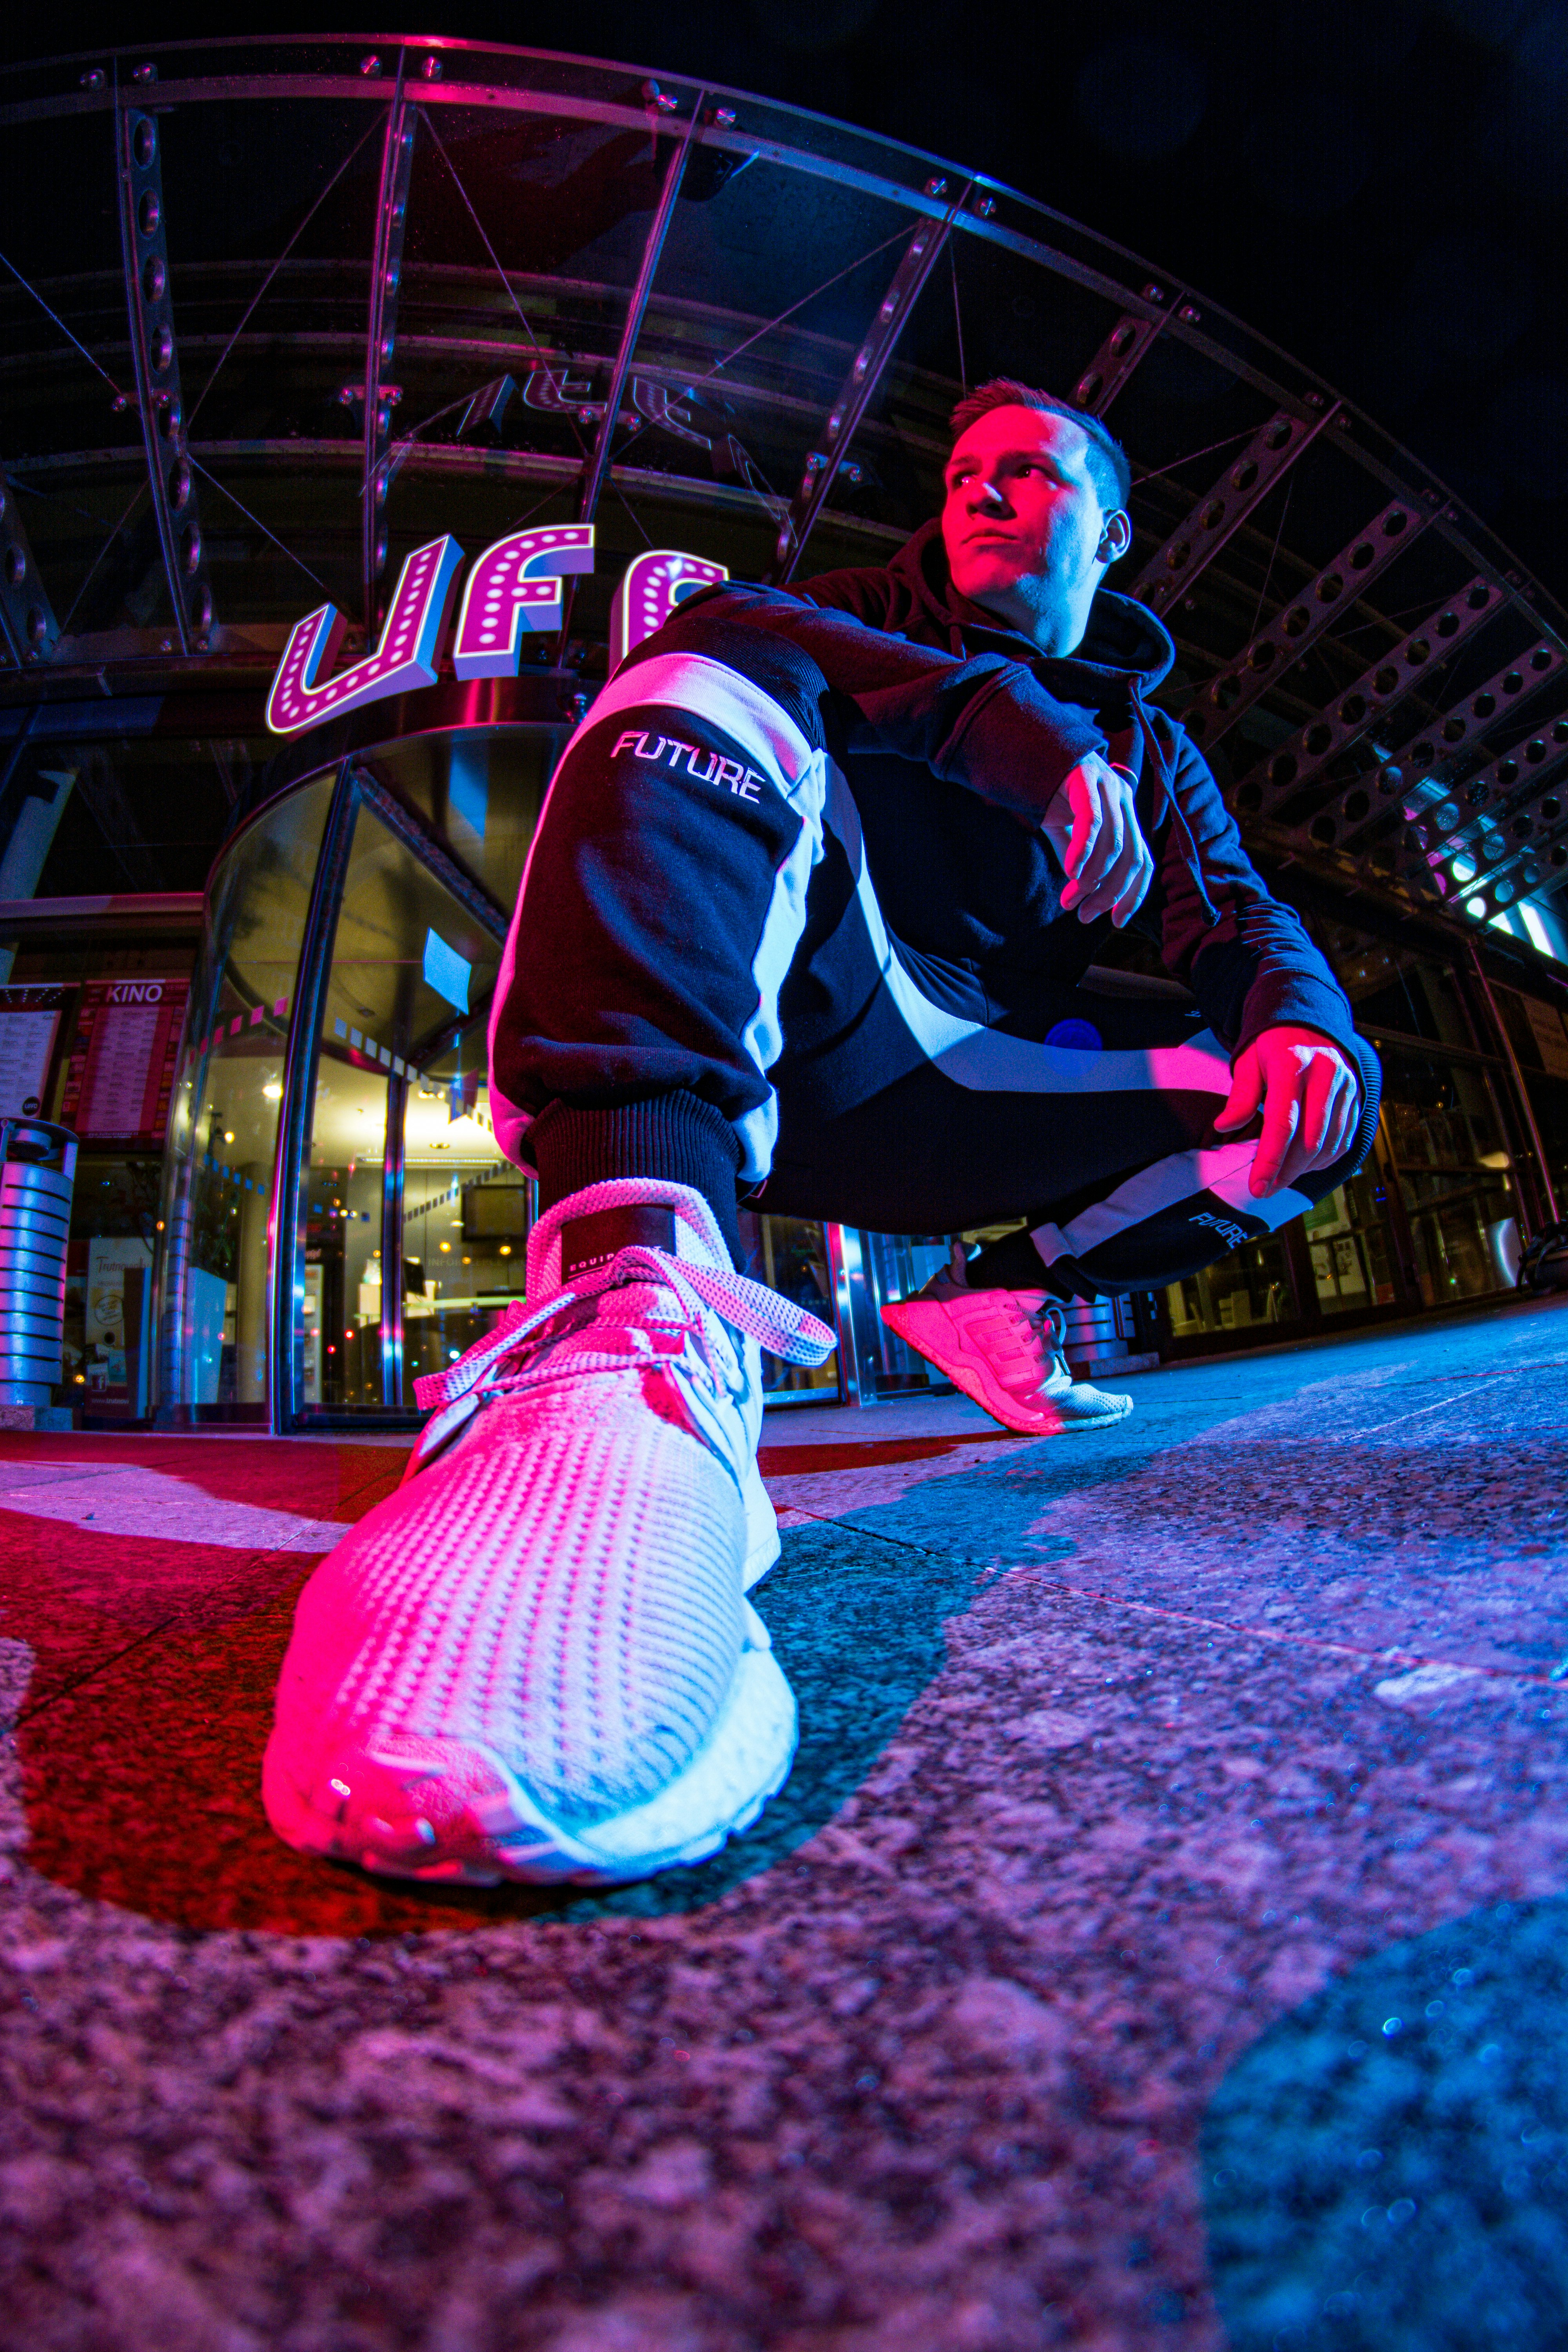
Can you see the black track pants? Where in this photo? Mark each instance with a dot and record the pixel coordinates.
(698, 915)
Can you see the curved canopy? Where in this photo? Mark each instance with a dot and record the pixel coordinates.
(277, 311)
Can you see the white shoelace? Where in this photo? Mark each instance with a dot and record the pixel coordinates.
(776, 1323)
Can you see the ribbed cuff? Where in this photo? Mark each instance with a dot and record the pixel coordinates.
(676, 1139)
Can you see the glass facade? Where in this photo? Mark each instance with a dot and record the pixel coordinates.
(1434, 1216)
(339, 1218)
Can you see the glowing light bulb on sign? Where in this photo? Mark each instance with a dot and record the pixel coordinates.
(650, 589)
(405, 657)
(516, 586)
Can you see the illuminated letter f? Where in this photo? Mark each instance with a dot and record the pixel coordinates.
(516, 584)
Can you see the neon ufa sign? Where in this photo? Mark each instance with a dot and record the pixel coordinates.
(514, 585)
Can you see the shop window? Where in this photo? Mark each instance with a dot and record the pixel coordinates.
(1455, 1175)
(1251, 1287)
(1351, 1245)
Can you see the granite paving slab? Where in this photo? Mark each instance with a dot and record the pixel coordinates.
(1157, 1944)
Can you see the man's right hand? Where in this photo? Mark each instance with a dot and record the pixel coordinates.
(1092, 825)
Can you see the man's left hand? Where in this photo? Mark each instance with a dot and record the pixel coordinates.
(1312, 1100)
(1092, 825)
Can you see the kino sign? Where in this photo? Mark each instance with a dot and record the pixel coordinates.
(515, 585)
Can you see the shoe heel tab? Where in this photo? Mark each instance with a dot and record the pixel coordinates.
(594, 1240)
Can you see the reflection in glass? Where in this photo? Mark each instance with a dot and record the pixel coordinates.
(1350, 1244)
(465, 1217)
(480, 789)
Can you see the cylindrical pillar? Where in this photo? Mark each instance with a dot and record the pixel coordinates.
(37, 1172)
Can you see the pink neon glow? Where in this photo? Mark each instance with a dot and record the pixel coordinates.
(404, 658)
(653, 585)
(516, 586)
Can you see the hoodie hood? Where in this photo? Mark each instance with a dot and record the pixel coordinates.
(1123, 637)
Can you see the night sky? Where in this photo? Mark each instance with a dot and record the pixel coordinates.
(1381, 188)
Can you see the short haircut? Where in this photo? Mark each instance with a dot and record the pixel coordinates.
(1108, 467)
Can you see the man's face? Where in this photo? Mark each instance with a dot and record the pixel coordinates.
(1022, 522)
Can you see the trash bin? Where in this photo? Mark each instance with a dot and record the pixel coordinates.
(37, 1172)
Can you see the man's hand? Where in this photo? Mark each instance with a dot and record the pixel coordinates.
(1312, 1100)
(1091, 825)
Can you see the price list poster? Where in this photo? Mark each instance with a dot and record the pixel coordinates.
(29, 1021)
(120, 1074)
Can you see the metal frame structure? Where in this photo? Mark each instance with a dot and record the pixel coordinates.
(920, 257)
(597, 471)
(1218, 515)
(159, 405)
(381, 334)
(1301, 621)
(459, 75)
(1299, 762)
(1130, 341)
(28, 629)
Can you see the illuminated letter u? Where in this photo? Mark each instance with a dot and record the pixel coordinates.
(405, 657)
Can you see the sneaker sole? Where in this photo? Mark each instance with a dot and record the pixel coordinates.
(507, 1836)
(975, 1382)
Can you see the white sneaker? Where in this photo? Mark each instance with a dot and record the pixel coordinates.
(535, 1660)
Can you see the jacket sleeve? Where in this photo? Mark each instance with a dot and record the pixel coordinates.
(984, 722)
(1245, 955)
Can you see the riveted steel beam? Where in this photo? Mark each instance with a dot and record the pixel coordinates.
(381, 335)
(1487, 819)
(1439, 742)
(1129, 343)
(1302, 620)
(1530, 858)
(28, 629)
(597, 471)
(1535, 861)
(1351, 714)
(144, 247)
(1221, 511)
(920, 257)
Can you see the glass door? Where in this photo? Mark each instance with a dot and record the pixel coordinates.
(397, 1130)
(342, 1196)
